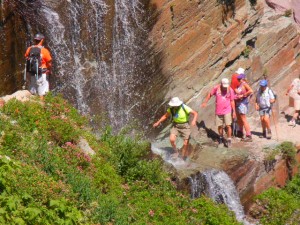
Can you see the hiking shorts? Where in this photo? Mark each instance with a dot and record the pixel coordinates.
(296, 104)
(39, 86)
(266, 111)
(242, 109)
(224, 119)
(182, 129)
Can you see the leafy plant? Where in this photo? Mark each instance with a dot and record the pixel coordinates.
(288, 13)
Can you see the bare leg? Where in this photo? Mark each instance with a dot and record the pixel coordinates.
(240, 122)
(296, 114)
(173, 143)
(220, 130)
(263, 123)
(267, 122)
(185, 148)
(246, 124)
(229, 132)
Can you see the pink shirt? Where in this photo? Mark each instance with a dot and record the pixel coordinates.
(223, 100)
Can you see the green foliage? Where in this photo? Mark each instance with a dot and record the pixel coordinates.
(288, 151)
(25, 201)
(247, 51)
(281, 206)
(48, 179)
(288, 13)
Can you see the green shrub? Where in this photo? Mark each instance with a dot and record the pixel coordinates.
(56, 183)
(288, 151)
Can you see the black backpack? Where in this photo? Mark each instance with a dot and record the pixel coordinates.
(33, 63)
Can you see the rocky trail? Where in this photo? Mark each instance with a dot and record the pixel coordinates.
(205, 153)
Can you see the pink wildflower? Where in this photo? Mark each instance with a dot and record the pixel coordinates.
(151, 213)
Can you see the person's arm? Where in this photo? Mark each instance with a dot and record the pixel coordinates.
(27, 52)
(162, 119)
(195, 117)
(233, 109)
(249, 90)
(204, 104)
(289, 89)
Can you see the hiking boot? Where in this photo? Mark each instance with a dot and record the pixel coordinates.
(248, 138)
(292, 123)
(240, 134)
(269, 134)
(227, 143)
(263, 134)
(221, 140)
(175, 155)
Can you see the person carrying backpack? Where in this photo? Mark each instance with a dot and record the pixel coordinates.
(38, 65)
(264, 99)
(225, 109)
(180, 124)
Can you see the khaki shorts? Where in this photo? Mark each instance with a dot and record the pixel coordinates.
(183, 129)
(223, 119)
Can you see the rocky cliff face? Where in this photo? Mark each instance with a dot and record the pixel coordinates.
(185, 48)
(201, 42)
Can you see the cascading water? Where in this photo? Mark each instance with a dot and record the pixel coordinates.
(218, 186)
(100, 51)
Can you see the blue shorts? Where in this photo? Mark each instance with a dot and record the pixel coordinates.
(266, 111)
(242, 108)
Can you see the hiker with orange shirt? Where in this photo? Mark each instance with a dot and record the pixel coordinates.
(38, 65)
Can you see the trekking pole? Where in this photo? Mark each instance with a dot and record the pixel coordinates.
(37, 72)
(24, 77)
(275, 125)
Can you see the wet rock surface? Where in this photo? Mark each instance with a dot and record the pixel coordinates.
(247, 164)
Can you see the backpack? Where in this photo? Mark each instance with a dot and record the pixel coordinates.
(275, 95)
(34, 59)
(173, 111)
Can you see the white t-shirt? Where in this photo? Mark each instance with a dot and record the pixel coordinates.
(296, 87)
(263, 98)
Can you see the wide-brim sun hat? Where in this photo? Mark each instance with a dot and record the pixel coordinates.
(240, 71)
(175, 102)
(241, 76)
(225, 82)
(263, 83)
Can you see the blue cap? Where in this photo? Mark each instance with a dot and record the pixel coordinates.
(241, 76)
(263, 83)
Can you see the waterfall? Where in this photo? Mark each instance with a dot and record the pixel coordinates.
(218, 186)
(70, 51)
(101, 54)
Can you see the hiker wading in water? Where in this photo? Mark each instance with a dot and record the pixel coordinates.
(180, 126)
(38, 65)
(225, 109)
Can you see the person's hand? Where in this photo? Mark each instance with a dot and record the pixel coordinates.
(234, 115)
(203, 105)
(256, 107)
(193, 123)
(156, 124)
